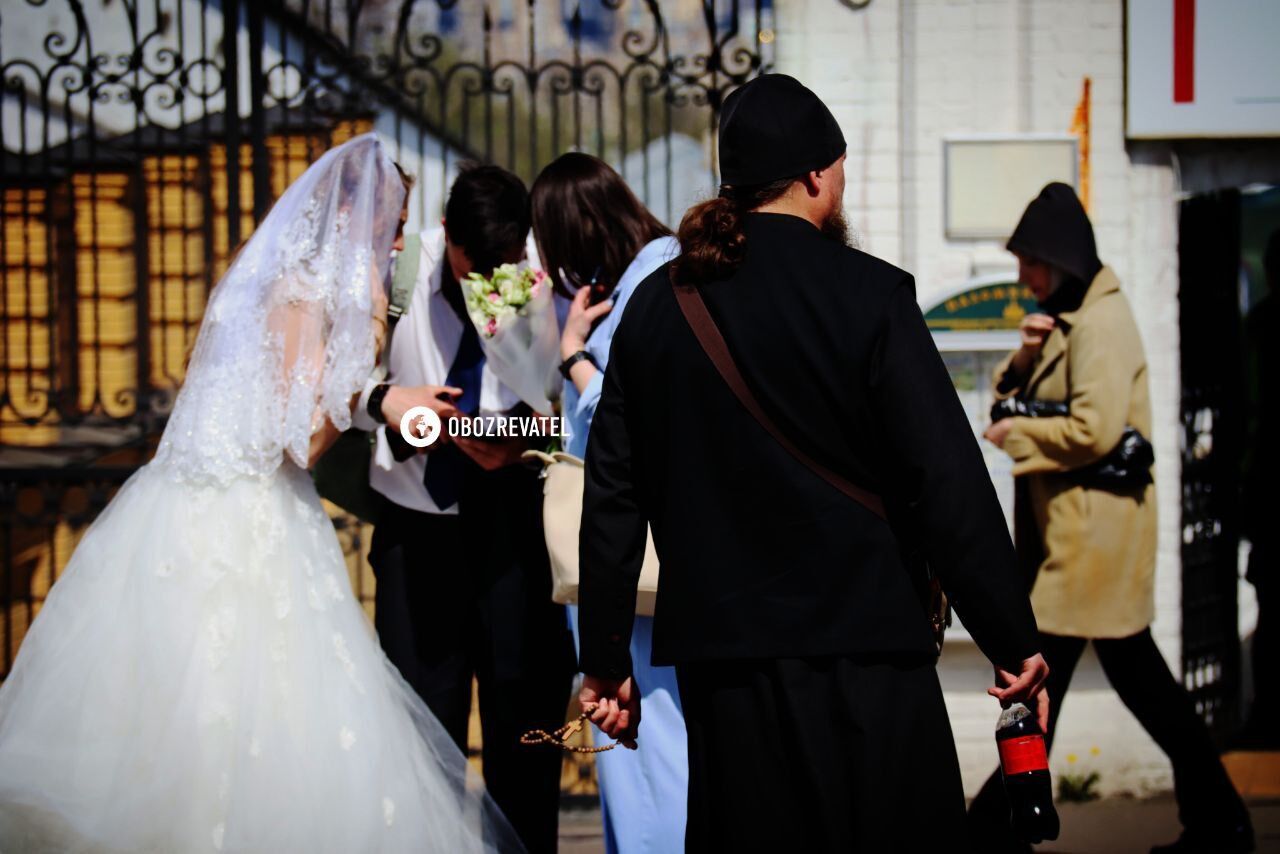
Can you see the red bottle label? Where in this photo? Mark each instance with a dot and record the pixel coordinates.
(1020, 755)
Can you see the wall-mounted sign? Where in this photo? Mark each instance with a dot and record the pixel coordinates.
(991, 307)
(990, 179)
(1202, 68)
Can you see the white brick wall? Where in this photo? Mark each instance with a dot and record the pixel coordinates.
(900, 76)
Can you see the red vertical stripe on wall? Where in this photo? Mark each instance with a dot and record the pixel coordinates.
(1184, 51)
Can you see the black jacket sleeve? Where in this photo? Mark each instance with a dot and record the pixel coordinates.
(942, 486)
(612, 537)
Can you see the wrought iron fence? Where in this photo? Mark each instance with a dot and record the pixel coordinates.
(142, 141)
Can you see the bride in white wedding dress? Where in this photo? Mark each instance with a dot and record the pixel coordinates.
(201, 677)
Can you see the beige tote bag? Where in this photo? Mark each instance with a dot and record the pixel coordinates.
(563, 484)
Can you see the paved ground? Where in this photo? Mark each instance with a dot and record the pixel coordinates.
(1111, 826)
(580, 832)
(1126, 825)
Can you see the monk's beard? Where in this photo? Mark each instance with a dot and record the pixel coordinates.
(836, 228)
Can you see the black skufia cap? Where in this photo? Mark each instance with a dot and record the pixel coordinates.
(771, 128)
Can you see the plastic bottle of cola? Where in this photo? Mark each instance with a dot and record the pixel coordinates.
(1024, 765)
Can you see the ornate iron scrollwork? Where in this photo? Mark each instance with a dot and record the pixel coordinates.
(118, 115)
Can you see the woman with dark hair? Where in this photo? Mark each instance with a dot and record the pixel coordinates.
(597, 241)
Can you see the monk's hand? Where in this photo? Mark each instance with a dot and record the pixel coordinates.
(1026, 687)
(616, 707)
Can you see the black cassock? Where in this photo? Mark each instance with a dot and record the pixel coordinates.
(792, 613)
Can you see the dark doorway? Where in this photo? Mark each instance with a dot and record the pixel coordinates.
(1212, 433)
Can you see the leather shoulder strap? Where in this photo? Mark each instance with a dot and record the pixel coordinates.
(708, 335)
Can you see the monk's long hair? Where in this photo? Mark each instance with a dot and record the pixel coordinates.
(712, 242)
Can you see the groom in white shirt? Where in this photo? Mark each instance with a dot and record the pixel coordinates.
(463, 585)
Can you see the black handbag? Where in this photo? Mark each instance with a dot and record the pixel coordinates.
(341, 475)
(1125, 468)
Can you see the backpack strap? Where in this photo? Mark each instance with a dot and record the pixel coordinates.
(405, 278)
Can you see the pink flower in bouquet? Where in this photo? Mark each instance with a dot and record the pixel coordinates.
(495, 302)
(513, 311)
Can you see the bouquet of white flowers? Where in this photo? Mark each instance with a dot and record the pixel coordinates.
(516, 319)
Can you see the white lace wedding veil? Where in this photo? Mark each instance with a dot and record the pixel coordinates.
(288, 335)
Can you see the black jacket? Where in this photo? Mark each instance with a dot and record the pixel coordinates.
(761, 557)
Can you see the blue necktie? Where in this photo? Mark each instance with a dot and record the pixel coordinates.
(444, 466)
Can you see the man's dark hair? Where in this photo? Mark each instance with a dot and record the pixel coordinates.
(487, 215)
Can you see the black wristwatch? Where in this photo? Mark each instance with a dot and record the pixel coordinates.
(374, 404)
(577, 357)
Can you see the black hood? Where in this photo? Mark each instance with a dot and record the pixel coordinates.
(1055, 229)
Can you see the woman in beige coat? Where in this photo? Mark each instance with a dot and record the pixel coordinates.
(1089, 549)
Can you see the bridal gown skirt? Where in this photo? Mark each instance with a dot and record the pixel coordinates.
(201, 678)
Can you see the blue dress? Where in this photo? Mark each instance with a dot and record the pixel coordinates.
(643, 793)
